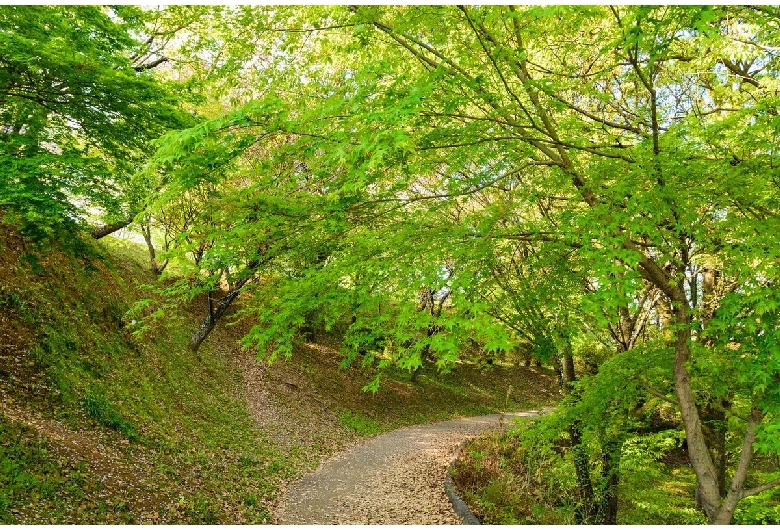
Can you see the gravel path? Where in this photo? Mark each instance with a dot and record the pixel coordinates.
(394, 478)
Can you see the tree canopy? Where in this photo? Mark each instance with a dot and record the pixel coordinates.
(535, 179)
(79, 105)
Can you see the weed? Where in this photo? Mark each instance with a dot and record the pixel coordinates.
(477, 455)
(34, 263)
(250, 500)
(200, 509)
(98, 407)
(494, 480)
(279, 467)
(480, 410)
(359, 423)
(5, 509)
(12, 301)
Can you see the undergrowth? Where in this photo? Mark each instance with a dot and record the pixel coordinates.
(504, 483)
(28, 470)
(359, 423)
(197, 446)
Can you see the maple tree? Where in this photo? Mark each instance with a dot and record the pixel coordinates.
(431, 178)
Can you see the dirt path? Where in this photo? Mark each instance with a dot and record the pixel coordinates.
(395, 478)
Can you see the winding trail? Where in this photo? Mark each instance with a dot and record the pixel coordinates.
(394, 478)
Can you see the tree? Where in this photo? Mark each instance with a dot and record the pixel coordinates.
(77, 105)
(650, 162)
(651, 178)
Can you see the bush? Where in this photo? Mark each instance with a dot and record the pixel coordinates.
(757, 510)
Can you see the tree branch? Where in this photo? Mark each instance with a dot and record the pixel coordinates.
(759, 489)
(153, 64)
(739, 72)
(650, 390)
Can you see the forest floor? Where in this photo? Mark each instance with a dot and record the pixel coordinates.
(98, 425)
(385, 465)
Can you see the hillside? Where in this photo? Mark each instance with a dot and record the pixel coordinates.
(99, 425)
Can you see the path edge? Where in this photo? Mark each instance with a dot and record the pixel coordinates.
(460, 507)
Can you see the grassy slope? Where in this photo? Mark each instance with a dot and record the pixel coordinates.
(99, 426)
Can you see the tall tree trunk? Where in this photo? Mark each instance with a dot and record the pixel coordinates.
(680, 335)
(709, 478)
(713, 416)
(714, 429)
(584, 512)
(698, 451)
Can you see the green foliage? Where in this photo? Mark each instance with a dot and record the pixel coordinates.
(154, 394)
(510, 479)
(200, 509)
(435, 180)
(76, 114)
(197, 455)
(502, 485)
(28, 470)
(659, 494)
(763, 509)
(11, 301)
(544, 188)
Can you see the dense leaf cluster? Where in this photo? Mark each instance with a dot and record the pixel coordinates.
(75, 112)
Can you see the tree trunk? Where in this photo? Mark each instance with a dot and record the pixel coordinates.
(610, 470)
(423, 358)
(567, 372)
(102, 231)
(713, 417)
(715, 429)
(215, 312)
(698, 451)
(425, 353)
(584, 512)
(146, 230)
(725, 511)
(427, 301)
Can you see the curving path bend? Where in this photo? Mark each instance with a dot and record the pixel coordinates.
(394, 478)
